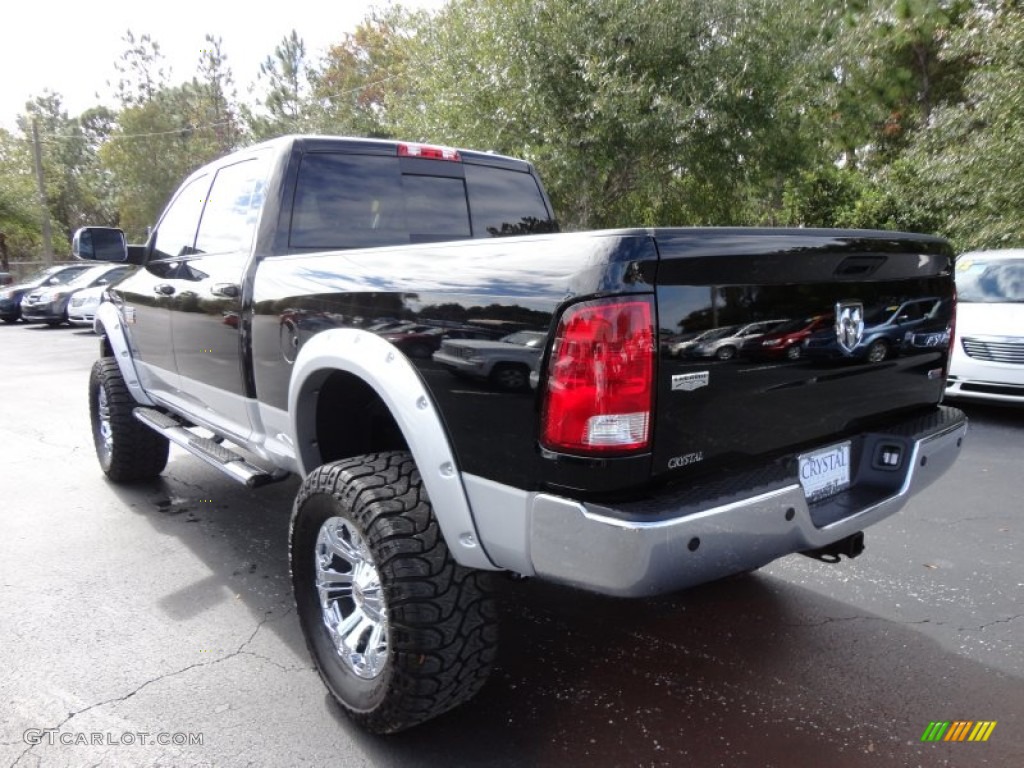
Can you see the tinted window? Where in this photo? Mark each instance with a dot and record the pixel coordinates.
(230, 214)
(355, 201)
(504, 202)
(176, 233)
(435, 208)
(348, 201)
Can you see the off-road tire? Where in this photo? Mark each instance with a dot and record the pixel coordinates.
(135, 453)
(441, 618)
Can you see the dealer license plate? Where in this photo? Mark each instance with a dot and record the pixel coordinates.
(826, 472)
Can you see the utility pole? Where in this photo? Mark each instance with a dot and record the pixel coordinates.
(5, 265)
(37, 153)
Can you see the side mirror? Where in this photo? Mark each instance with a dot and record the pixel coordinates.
(100, 244)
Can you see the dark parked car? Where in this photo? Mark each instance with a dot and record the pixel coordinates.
(49, 303)
(10, 298)
(886, 329)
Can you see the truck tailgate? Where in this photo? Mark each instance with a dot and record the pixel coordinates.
(778, 341)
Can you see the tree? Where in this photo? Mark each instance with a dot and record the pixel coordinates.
(360, 78)
(968, 163)
(163, 132)
(286, 77)
(680, 114)
(141, 70)
(19, 219)
(214, 111)
(77, 192)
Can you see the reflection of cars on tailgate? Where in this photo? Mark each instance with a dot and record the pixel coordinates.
(425, 341)
(785, 340)
(681, 347)
(506, 363)
(987, 361)
(726, 347)
(886, 330)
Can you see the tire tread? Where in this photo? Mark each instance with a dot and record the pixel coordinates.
(442, 616)
(139, 454)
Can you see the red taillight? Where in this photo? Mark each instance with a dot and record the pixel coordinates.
(601, 378)
(428, 152)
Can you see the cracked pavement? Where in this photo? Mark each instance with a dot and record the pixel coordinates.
(166, 609)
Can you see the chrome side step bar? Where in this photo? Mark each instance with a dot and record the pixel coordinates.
(217, 456)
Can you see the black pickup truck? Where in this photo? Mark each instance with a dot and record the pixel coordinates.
(262, 334)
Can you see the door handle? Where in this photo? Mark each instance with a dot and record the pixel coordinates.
(227, 290)
(164, 289)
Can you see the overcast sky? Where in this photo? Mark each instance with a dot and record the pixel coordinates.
(71, 47)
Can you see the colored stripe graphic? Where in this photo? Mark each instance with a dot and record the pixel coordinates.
(958, 730)
(982, 730)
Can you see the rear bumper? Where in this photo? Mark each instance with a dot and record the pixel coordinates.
(697, 535)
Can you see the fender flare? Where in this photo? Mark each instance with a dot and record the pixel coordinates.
(109, 317)
(390, 374)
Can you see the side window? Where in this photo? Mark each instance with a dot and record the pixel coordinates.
(230, 214)
(506, 202)
(176, 232)
(111, 277)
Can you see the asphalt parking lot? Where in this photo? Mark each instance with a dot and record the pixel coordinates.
(163, 613)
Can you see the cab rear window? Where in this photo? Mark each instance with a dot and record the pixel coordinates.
(360, 201)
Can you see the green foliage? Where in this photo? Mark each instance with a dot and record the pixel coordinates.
(19, 218)
(681, 113)
(359, 80)
(968, 165)
(163, 133)
(891, 114)
(286, 78)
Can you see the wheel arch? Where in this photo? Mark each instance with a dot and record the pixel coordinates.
(355, 372)
(114, 343)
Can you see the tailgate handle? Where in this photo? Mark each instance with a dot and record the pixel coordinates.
(859, 266)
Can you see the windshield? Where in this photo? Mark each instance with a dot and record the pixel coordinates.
(65, 277)
(716, 333)
(995, 280)
(792, 326)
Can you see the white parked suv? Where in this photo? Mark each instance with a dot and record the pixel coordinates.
(505, 363)
(988, 353)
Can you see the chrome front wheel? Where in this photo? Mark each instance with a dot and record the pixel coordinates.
(351, 598)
